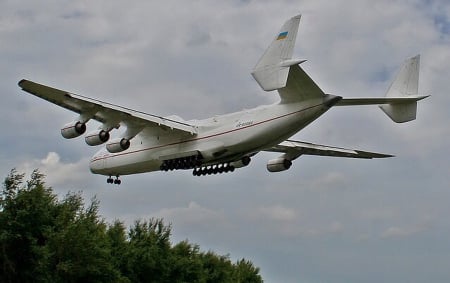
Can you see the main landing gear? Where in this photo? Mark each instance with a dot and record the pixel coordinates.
(116, 181)
(213, 169)
(188, 162)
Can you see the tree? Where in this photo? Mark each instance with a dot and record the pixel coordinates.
(148, 251)
(26, 222)
(118, 248)
(244, 271)
(186, 263)
(43, 239)
(81, 250)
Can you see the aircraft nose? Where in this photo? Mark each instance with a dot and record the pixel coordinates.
(97, 163)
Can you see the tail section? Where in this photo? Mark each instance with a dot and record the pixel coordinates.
(400, 103)
(276, 70)
(272, 69)
(405, 85)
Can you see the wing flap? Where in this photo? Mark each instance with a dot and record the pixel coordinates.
(296, 148)
(103, 112)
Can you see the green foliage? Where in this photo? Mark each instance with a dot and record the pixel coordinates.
(43, 239)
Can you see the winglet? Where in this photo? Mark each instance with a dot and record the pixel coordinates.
(272, 69)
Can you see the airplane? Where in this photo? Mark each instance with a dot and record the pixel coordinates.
(226, 142)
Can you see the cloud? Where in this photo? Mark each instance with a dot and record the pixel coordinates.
(290, 223)
(193, 214)
(333, 228)
(384, 213)
(195, 222)
(401, 232)
(409, 227)
(58, 173)
(328, 180)
(52, 159)
(277, 213)
(194, 60)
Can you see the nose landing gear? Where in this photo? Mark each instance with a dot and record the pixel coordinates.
(116, 181)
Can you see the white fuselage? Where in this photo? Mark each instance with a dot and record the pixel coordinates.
(224, 138)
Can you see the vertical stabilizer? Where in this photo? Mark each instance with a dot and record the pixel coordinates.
(272, 69)
(405, 84)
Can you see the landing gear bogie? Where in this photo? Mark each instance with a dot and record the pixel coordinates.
(188, 162)
(213, 169)
(116, 181)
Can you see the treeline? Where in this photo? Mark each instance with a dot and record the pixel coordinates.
(43, 239)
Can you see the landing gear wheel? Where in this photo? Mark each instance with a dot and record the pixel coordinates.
(116, 181)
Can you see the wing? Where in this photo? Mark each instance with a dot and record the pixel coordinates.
(104, 112)
(294, 149)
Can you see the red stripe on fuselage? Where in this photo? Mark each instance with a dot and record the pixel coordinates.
(207, 137)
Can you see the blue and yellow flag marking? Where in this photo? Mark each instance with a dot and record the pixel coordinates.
(282, 35)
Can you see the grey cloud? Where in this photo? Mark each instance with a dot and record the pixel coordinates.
(324, 219)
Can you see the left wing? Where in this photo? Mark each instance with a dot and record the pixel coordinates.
(109, 114)
(294, 149)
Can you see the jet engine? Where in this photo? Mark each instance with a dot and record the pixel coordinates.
(97, 137)
(73, 129)
(118, 145)
(278, 164)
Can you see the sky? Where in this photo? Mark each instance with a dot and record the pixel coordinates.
(325, 219)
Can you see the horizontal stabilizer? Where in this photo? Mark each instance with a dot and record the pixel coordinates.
(379, 100)
(400, 102)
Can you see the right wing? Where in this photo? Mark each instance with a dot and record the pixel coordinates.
(108, 114)
(294, 149)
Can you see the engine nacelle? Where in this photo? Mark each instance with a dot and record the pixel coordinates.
(244, 161)
(73, 130)
(118, 145)
(278, 164)
(97, 137)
